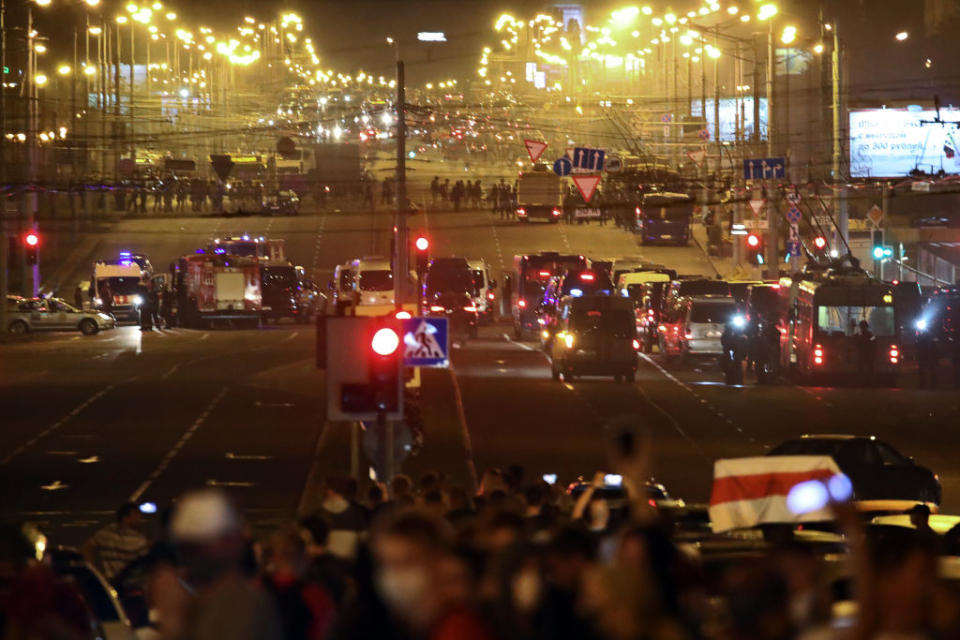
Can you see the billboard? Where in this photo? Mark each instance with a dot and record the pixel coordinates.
(887, 143)
(729, 116)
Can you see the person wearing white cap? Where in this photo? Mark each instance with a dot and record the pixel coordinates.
(217, 600)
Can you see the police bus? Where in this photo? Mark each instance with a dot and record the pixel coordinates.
(531, 275)
(822, 334)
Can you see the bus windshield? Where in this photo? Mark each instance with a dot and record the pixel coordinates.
(376, 280)
(845, 320)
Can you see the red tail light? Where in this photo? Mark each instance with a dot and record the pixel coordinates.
(544, 274)
(470, 307)
(587, 277)
(490, 296)
(818, 354)
(436, 308)
(555, 213)
(636, 345)
(894, 354)
(522, 303)
(521, 212)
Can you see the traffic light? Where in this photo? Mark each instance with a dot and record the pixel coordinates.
(820, 243)
(422, 245)
(385, 367)
(31, 247)
(754, 249)
(876, 242)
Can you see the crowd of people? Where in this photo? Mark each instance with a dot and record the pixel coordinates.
(516, 560)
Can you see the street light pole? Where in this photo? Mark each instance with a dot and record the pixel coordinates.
(402, 267)
(771, 69)
(841, 213)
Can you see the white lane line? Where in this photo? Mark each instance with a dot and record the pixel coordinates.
(204, 336)
(293, 335)
(56, 425)
(170, 371)
(464, 429)
(179, 445)
(519, 344)
(566, 240)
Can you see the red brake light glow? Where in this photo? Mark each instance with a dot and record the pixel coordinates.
(470, 307)
(543, 273)
(490, 296)
(636, 344)
(587, 277)
(385, 341)
(436, 307)
(522, 304)
(818, 354)
(555, 213)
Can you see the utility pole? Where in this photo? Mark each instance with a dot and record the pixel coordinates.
(401, 269)
(840, 213)
(771, 70)
(30, 283)
(756, 95)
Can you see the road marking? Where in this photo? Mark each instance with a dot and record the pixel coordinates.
(229, 483)
(170, 371)
(56, 485)
(204, 336)
(176, 448)
(293, 335)
(464, 429)
(246, 456)
(285, 405)
(90, 460)
(56, 425)
(569, 386)
(519, 344)
(566, 240)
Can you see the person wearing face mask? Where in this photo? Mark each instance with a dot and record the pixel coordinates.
(412, 555)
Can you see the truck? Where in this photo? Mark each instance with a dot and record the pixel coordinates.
(211, 287)
(122, 280)
(538, 196)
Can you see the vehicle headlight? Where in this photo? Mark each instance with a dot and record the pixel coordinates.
(568, 340)
(137, 301)
(97, 302)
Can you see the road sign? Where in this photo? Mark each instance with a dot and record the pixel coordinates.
(588, 158)
(875, 215)
(425, 342)
(614, 164)
(757, 205)
(586, 185)
(535, 148)
(562, 166)
(704, 134)
(760, 168)
(760, 224)
(222, 165)
(667, 117)
(794, 215)
(697, 156)
(793, 249)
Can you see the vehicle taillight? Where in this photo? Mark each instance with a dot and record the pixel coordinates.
(894, 354)
(818, 354)
(555, 213)
(544, 274)
(521, 212)
(490, 296)
(587, 277)
(436, 307)
(545, 334)
(650, 312)
(522, 303)
(661, 328)
(637, 210)
(636, 345)
(470, 307)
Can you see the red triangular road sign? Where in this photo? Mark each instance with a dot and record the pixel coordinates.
(586, 185)
(757, 206)
(535, 148)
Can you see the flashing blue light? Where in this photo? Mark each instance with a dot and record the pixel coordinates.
(219, 250)
(922, 324)
(148, 507)
(199, 251)
(739, 321)
(125, 263)
(806, 497)
(576, 293)
(125, 254)
(246, 237)
(840, 487)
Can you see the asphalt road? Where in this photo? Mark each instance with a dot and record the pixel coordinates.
(89, 422)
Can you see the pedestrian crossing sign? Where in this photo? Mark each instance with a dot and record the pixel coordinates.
(425, 342)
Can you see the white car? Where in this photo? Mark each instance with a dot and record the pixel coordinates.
(53, 314)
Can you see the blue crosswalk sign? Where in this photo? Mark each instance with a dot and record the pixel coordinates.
(425, 342)
(587, 158)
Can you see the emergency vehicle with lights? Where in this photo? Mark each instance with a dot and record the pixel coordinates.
(212, 287)
(124, 278)
(531, 275)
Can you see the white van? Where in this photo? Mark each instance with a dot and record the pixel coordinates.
(373, 282)
(635, 280)
(706, 317)
(484, 290)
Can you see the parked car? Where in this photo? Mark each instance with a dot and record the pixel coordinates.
(883, 479)
(53, 314)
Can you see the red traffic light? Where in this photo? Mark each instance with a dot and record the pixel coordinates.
(753, 240)
(820, 242)
(422, 244)
(385, 341)
(31, 239)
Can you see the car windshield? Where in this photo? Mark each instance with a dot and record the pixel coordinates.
(615, 322)
(376, 280)
(449, 280)
(712, 312)
(845, 321)
(122, 286)
(703, 288)
(279, 277)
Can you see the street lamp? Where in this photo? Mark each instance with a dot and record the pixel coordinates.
(903, 35)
